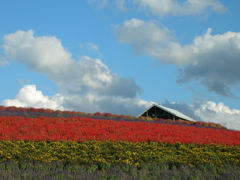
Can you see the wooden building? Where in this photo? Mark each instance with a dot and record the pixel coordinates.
(159, 111)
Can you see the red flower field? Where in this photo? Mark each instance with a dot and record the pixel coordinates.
(83, 129)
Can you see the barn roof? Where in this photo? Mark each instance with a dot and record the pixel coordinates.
(171, 111)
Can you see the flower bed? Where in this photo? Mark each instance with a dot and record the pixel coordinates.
(84, 129)
(108, 152)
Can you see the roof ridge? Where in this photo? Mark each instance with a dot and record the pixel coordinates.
(169, 110)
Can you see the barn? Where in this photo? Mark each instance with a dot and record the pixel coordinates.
(159, 111)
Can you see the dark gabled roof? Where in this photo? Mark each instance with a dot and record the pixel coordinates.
(170, 111)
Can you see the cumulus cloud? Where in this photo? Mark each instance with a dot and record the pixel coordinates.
(174, 7)
(29, 96)
(148, 38)
(211, 59)
(209, 112)
(215, 62)
(219, 113)
(101, 103)
(43, 54)
(46, 55)
(76, 80)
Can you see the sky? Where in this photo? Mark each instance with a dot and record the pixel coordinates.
(120, 56)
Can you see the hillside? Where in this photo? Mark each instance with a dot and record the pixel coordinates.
(38, 142)
(37, 112)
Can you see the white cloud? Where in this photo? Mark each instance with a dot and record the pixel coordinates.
(215, 62)
(29, 96)
(174, 7)
(80, 79)
(148, 38)
(91, 102)
(209, 112)
(219, 113)
(44, 54)
(212, 59)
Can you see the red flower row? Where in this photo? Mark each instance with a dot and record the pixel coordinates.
(83, 129)
(34, 112)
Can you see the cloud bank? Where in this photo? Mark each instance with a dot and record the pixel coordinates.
(29, 96)
(215, 62)
(209, 112)
(211, 59)
(86, 84)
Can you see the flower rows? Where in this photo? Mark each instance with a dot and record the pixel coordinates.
(108, 152)
(84, 129)
(33, 112)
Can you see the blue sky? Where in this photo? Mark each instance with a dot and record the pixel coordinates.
(118, 56)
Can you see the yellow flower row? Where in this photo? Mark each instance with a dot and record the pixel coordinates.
(119, 152)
